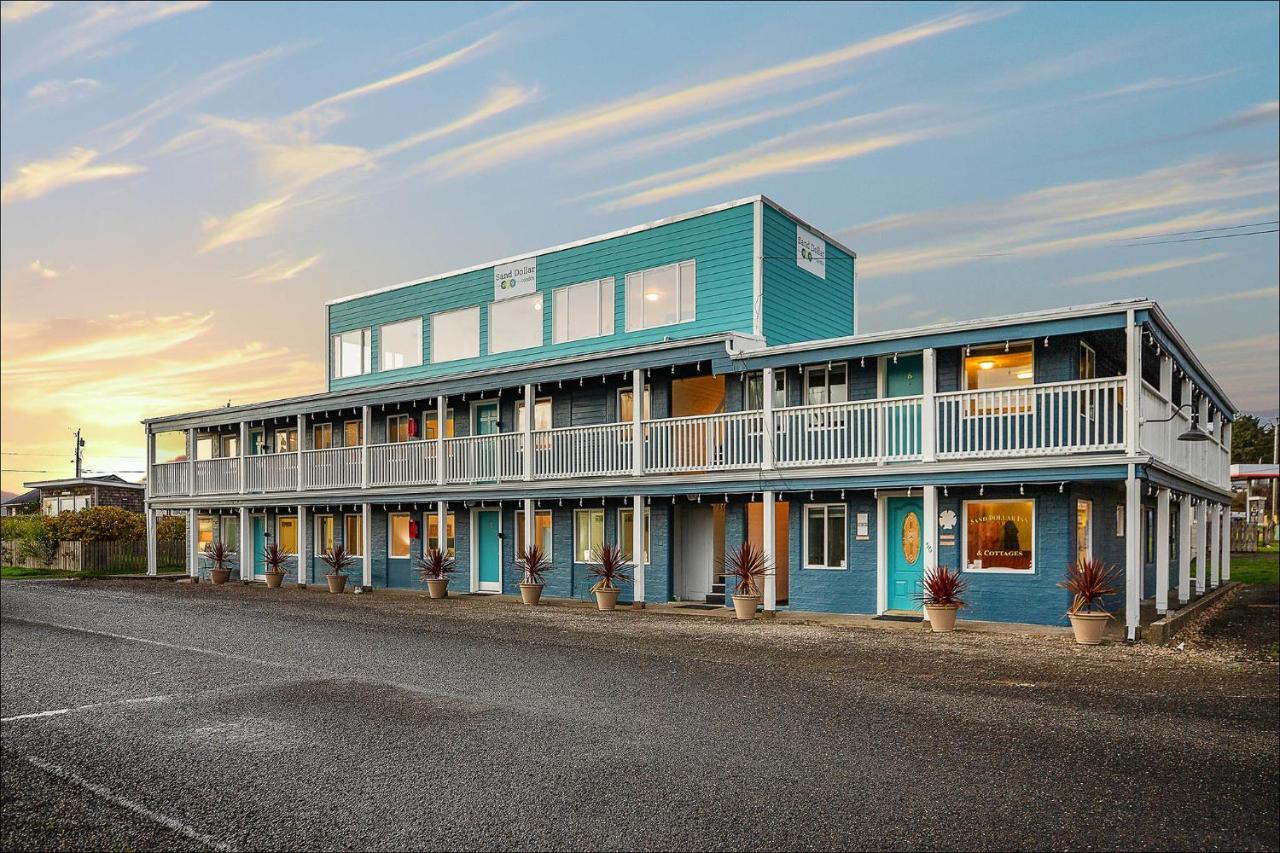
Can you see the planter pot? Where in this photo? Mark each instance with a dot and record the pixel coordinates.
(530, 593)
(274, 579)
(438, 587)
(607, 599)
(337, 583)
(219, 576)
(1089, 627)
(744, 606)
(942, 617)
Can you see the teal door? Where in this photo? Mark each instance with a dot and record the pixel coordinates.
(485, 459)
(489, 550)
(259, 527)
(903, 379)
(904, 558)
(486, 418)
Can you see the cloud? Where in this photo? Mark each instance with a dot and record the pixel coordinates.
(61, 91)
(652, 107)
(16, 11)
(40, 177)
(500, 100)
(1264, 113)
(282, 270)
(890, 304)
(1054, 68)
(39, 270)
(1122, 273)
(1237, 296)
(1155, 84)
(253, 221)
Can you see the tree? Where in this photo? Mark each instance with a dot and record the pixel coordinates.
(1252, 441)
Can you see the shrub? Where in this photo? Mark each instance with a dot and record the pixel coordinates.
(747, 565)
(609, 566)
(436, 564)
(1090, 581)
(275, 556)
(31, 536)
(171, 528)
(534, 562)
(218, 553)
(338, 559)
(100, 524)
(941, 587)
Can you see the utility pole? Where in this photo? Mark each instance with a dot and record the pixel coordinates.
(79, 444)
(1275, 458)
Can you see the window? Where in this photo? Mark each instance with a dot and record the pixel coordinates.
(287, 533)
(353, 434)
(1084, 531)
(398, 535)
(204, 531)
(286, 440)
(230, 446)
(999, 535)
(398, 428)
(324, 534)
(433, 532)
(826, 383)
(322, 436)
(1149, 535)
(999, 367)
(661, 296)
(204, 446)
(588, 533)
(624, 405)
(1120, 525)
(1088, 362)
(353, 535)
(515, 323)
(582, 311)
(229, 532)
(455, 335)
(541, 530)
(257, 441)
(824, 533)
(430, 430)
(625, 534)
(401, 344)
(541, 414)
(83, 502)
(755, 390)
(351, 355)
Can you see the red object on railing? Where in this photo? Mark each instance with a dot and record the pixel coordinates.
(413, 427)
(413, 529)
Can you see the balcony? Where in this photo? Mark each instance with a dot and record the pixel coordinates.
(1045, 420)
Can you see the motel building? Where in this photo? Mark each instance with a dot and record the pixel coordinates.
(705, 374)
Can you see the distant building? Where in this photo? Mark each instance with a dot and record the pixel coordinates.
(26, 503)
(75, 493)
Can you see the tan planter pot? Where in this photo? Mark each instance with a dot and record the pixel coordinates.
(274, 579)
(438, 587)
(942, 618)
(219, 576)
(530, 593)
(337, 583)
(607, 599)
(1089, 627)
(744, 606)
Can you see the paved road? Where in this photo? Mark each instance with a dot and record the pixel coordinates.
(237, 718)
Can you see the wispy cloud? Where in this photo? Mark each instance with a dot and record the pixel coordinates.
(890, 304)
(16, 11)
(651, 107)
(1121, 273)
(500, 100)
(1264, 113)
(39, 270)
(282, 270)
(253, 221)
(76, 166)
(1155, 84)
(1237, 296)
(61, 91)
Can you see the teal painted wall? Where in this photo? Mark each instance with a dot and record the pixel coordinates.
(720, 243)
(798, 305)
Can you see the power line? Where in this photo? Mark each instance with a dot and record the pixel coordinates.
(1198, 239)
(1206, 230)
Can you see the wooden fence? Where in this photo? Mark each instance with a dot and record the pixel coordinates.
(77, 556)
(1247, 536)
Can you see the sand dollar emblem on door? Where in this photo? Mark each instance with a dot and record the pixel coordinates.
(911, 538)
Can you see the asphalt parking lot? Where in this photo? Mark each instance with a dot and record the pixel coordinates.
(151, 715)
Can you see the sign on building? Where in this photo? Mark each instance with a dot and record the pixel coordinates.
(515, 279)
(811, 253)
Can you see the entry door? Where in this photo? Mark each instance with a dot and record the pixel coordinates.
(697, 552)
(259, 526)
(904, 379)
(489, 550)
(486, 418)
(905, 557)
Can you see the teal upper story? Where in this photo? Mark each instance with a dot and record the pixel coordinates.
(747, 266)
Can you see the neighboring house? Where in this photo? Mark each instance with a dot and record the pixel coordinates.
(75, 493)
(27, 503)
(705, 372)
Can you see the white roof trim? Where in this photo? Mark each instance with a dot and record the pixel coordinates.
(82, 481)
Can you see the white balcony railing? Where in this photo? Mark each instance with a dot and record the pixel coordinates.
(272, 472)
(872, 431)
(170, 478)
(1206, 460)
(404, 463)
(331, 468)
(217, 476)
(603, 450)
(484, 458)
(704, 442)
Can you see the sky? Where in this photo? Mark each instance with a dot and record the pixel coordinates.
(185, 184)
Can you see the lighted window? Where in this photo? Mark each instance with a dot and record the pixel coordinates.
(588, 533)
(998, 367)
(401, 344)
(1084, 530)
(204, 531)
(625, 410)
(430, 427)
(351, 354)
(661, 296)
(626, 532)
(541, 530)
(286, 440)
(824, 532)
(999, 536)
(352, 434)
(353, 535)
(322, 436)
(433, 532)
(287, 532)
(455, 335)
(398, 535)
(229, 532)
(541, 414)
(398, 428)
(324, 533)
(515, 323)
(582, 311)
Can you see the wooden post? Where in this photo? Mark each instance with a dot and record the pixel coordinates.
(529, 404)
(151, 540)
(304, 562)
(930, 533)
(1132, 550)
(302, 442)
(768, 430)
(366, 545)
(1215, 556)
(440, 478)
(191, 461)
(1202, 546)
(1133, 390)
(928, 415)
(244, 456)
(637, 542)
(247, 557)
(1162, 550)
(442, 525)
(193, 544)
(770, 548)
(366, 423)
(1184, 549)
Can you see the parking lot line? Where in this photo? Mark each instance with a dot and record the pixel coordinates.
(38, 715)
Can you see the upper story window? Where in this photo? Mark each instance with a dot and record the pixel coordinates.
(401, 344)
(455, 334)
(286, 440)
(321, 436)
(541, 414)
(353, 433)
(230, 446)
(626, 410)
(582, 311)
(826, 383)
(352, 355)
(662, 296)
(1088, 361)
(515, 323)
(204, 446)
(431, 425)
(755, 390)
(999, 366)
(398, 429)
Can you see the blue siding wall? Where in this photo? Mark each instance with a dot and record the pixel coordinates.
(848, 590)
(800, 306)
(720, 242)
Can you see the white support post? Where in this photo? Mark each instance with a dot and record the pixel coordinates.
(193, 544)
(530, 528)
(1133, 552)
(440, 478)
(1184, 549)
(529, 405)
(302, 442)
(442, 525)
(930, 510)
(1133, 389)
(191, 461)
(366, 545)
(366, 424)
(928, 416)
(637, 424)
(768, 433)
(637, 545)
(1215, 546)
(146, 502)
(247, 557)
(1162, 550)
(1202, 546)
(304, 560)
(1226, 543)
(769, 535)
(151, 463)
(151, 541)
(244, 456)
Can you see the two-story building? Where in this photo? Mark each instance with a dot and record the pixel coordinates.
(705, 374)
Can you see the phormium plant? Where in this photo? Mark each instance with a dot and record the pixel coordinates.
(218, 553)
(435, 564)
(609, 567)
(338, 559)
(275, 556)
(941, 587)
(1090, 581)
(746, 564)
(534, 562)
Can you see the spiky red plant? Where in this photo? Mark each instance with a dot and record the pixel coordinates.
(275, 557)
(609, 567)
(1090, 581)
(435, 564)
(534, 562)
(338, 559)
(941, 587)
(218, 553)
(746, 564)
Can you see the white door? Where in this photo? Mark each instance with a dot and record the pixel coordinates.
(697, 533)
